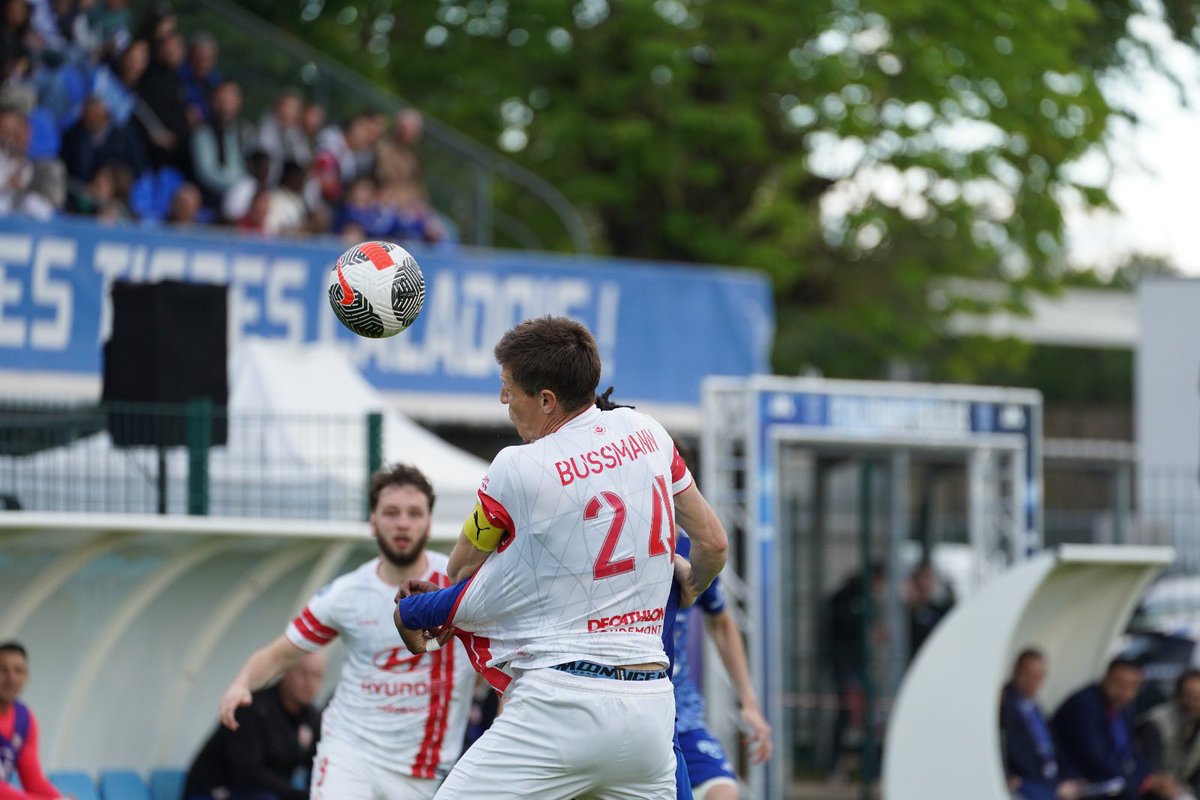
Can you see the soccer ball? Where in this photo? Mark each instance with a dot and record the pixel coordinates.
(376, 289)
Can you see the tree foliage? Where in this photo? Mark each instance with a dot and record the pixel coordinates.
(861, 152)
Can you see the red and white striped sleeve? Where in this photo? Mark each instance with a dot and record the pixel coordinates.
(681, 476)
(315, 626)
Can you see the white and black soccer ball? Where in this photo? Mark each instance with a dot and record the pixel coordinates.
(376, 289)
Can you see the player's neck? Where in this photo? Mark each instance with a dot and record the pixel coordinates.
(396, 575)
(556, 421)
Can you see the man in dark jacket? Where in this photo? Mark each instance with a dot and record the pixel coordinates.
(269, 756)
(1094, 730)
(1030, 757)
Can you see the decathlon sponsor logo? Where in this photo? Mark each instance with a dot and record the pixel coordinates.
(627, 621)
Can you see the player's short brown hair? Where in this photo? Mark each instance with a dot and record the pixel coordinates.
(555, 353)
(399, 475)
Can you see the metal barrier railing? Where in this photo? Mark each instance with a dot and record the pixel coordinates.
(190, 458)
(491, 199)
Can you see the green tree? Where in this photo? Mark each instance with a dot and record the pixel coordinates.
(860, 152)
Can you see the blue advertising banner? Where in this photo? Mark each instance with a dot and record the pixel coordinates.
(661, 327)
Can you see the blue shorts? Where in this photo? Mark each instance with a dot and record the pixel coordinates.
(683, 786)
(706, 759)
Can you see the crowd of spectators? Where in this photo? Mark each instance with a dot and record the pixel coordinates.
(123, 120)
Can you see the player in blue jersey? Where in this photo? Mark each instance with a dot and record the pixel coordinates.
(709, 770)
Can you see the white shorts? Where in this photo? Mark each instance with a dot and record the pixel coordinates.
(339, 773)
(562, 736)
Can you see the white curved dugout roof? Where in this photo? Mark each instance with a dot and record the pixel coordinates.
(1072, 604)
(135, 624)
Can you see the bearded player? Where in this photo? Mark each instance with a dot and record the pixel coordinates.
(570, 557)
(395, 724)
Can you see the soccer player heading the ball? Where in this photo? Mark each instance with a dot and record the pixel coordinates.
(569, 555)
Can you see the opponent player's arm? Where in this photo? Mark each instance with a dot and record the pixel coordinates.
(723, 629)
(266, 663)
(479, 538)
(709, 542)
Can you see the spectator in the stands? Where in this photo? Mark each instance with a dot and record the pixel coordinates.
(35, 189)
(116, 83)
(19, 731)
(337, 158)
(217, 147)
(111, 21)
(254, 220)
(362, 216)
(270, 754)
(412, 218)
(281, 133)
(16, 38)
(157, 23)
(106, 195)
(163, 117)
(1031, 765)
(238, 198)
(187, 207)
(200, 77)
(289, 213)
(95, 140)
(312, 121)
(397, 160)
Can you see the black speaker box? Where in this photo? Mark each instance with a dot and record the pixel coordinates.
(169, 345)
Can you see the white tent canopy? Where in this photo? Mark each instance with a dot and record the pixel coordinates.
(297, 448)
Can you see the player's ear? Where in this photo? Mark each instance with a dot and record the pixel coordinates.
(549, 401)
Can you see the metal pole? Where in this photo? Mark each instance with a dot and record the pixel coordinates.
(898, 534)
(865, 512)
(1122, 502)
(374, 449)
(199, 427)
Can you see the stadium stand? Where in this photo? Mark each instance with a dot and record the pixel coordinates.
(78, 785)
(167, 784)
(123, 784)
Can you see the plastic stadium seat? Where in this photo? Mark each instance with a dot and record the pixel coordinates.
(167, 784)
(122, 784)
(76, 784)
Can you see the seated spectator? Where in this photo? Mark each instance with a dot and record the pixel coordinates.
(1030, 759)
(96, 140)
(31, 188)
(200, 78)
(187, 207)
(288, 212)
(162, 115)
(254, 220)
(238, 198)
(413, 219)
(312, 121)
(1094, 730)
(217, 147)
(116, 83)
(337, 158)
(268, 756)
(362, 215)
(106, 195)
(397, 161)
(1169, 734)
(18, 731)
(281, 133)
(927, 604)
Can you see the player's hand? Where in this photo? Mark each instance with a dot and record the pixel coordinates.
(235, 697)
(757, 733)
(683, 576)
(421, 641)
(413, 586)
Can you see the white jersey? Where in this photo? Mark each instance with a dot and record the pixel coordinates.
(586, 566)
(403, 712)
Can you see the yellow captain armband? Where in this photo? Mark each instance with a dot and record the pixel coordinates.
(480, 531)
